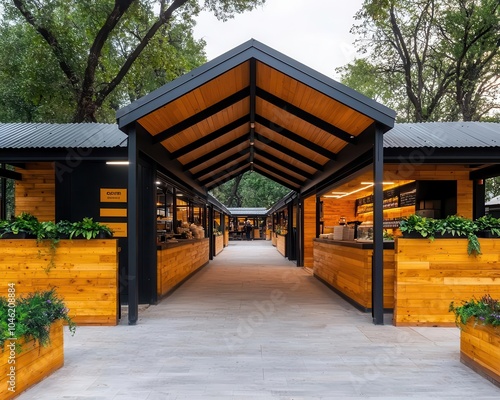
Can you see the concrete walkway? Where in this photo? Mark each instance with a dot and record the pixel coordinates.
(252, 325)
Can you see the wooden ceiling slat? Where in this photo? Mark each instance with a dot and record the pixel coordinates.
(240, 155)
(278, 172)
(203, 128)
(276, 178)
(301, 175)
(224, 172)
(197, 100)
(311, 101)
(263, 149)
(218, 154)
(228, 177)
(288, 146)
(299, 126)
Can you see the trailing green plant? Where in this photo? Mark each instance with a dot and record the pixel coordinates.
(89, 229)
(48, 231)
(32, 317)
(23, 223)
(456, 226)
(485, 311)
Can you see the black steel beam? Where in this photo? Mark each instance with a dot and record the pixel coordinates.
(200, 116)
(215, 153)
(284, 164)
(220, 164)
(228, 178)
(7, 173)
(278, 172)
(484, 173)
(295, 138)
(221, 174)
(210, 137)
(288, 152)
(304, 115)
(273, 178)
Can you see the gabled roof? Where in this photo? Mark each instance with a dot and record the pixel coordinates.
(254, 108)
(247, 211)
(53, 136)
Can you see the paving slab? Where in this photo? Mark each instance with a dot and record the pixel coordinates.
(252, 325)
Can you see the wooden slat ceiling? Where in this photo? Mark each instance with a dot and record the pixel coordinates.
(254, 117)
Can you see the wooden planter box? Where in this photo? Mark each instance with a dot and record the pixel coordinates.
(85, 275)
(480, 350)
(219, 244)
(281, 244)
(431, 274)
(33, 364)
(274, 238)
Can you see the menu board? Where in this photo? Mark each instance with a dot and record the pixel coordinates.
(402, 196)
(408, 198)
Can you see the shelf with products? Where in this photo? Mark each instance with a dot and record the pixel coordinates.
(398, 197)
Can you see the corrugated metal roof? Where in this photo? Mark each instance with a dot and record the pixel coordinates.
(494, 201)
(443, 135)
(247, 211)
(83, 135)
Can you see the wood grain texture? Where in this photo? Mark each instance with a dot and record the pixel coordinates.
(177, 263)
(34, 363)
(84, 274)
(349, 270)
(281, 244)
(219, 244)
(480, 349)
(430, 275)
(36, 192)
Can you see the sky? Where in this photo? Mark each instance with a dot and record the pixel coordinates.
(313, 32)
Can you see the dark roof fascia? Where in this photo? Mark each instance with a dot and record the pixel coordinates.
(435, 155)
(346, 158)
(242, 53)
(7, 173)
(280, 204)
(64, 155)
(218, 205)
(491, 171)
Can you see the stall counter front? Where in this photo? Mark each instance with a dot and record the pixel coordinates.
(346, 266)
(176, 262)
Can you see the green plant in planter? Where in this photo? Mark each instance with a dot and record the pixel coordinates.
(24, 223)
(485, 311)
(32, 317)
(64, 228)
(426, 227)
(489, 224)
(89, 229)
(460, 226)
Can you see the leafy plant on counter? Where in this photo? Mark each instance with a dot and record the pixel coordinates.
(89, 229)
(34, 314)
(426, 227)
(485, 311)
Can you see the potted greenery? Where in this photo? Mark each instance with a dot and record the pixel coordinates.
(457, 226)
(23, 226)
(418, 226)
(488, 226)
(88, 229)
(479, 323)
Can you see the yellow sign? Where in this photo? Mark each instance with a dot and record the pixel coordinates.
(113, 212)
(114, 195)
(119, 228)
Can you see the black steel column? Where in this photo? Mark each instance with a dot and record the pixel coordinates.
(211, 232)
(132, 227)
(300, 232)
(479, 198)
(318, 216)
(378, 230)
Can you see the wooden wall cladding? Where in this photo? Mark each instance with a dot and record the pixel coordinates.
(281, 244)
(84, 274)
(333, 209)
(430, 275)
(36, 192)
(349, 270)
(178, 262)
(34, 363)
(219, 244)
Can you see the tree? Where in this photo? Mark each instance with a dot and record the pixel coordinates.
(439, 58)
(95, 56)
(492, 187)
(250, 190)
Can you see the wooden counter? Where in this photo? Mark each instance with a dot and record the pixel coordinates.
(176, 262)
(346, 267)
(219, 244)
(281, 244)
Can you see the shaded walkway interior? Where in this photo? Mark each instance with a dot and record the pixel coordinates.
(252, 325)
